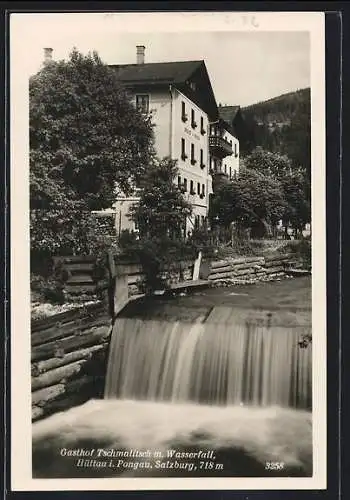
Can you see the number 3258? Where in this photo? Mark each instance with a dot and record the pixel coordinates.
(274, 465)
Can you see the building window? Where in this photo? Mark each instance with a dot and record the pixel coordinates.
(193, 85)
(192, 191)
(185, 185)
(183, 112)
(142, 103)
(202, 126)
(230, 173)
(202, 158)
(202, 193)
(183, 149)
(198, 188)
(193, 160)
(225, 168)
(179, 181)
(193, 120)
(236, 153)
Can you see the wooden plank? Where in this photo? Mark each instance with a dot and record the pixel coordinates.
(78, 288)
(39, 324)
(62, 346)
(67, 329)
(80, 266)
(190, 284)
(79, 279)
(81, 354)
(111, 265)
(74, 259)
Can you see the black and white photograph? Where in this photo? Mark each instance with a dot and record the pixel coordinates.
(168, 178)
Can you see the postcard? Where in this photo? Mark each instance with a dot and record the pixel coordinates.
(168, 251)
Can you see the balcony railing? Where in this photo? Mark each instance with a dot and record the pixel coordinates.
(219, 146)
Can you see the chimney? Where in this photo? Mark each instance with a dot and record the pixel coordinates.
(47, 55)
(140, 54)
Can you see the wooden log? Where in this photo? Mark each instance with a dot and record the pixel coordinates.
(275, 263)
(215, 277)
(245, 272)
(91, 309)
(272, 258)
(247, 265)
(222, 269)
(271, 270)
(81, 354)
(219, 263)
(37, 412)
(66, 329)
(244, 260)
(86, 339)
(40, 397)
(56, 376)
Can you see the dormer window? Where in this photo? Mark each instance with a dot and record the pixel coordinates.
(142, 103)
(193, 86)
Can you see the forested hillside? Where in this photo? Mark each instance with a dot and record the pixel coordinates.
(281, 124)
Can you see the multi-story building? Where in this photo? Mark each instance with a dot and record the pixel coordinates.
(180, 99)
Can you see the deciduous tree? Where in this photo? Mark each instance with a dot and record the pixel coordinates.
(87, 140)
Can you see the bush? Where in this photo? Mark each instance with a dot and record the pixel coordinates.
(46, 289)
(301, 248)
(159, 256)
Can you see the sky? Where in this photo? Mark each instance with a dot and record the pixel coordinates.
(245, 66)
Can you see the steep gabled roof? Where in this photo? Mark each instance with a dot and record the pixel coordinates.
(228, 113)
(179, 74)
(164, 72)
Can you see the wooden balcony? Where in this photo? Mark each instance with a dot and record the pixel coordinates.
(219, 147)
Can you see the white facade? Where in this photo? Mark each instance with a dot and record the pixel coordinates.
(181, 133)
(230, 164)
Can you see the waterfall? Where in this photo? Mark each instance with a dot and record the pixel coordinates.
(233, 357)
